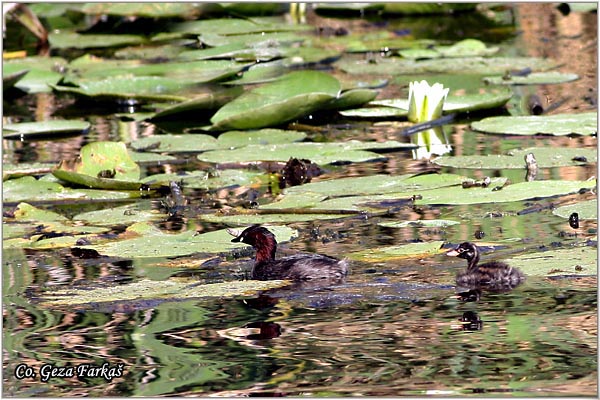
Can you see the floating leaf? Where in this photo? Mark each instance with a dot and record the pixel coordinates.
(30, 130)
(149, 241)
(211, 100)
(515, 192)
(148, 88)
(383, 254)
(173, 289)
(573, 261)
(11, 171)
(146, 158)
(290, 97)
(42, 72)
(148, 10)
(463, 48)
(66, 40)
(233, 139)
(535, 78)
(585, 209)
(123, 215)
(9, 79)
(27, 212)
(248, 218)
(233, 26)
(476, 65)
(377, 184)
(352, 98)
(320, 153)
(546, 157)
(176, 143)
(558, 124)
(207, 181)
(421, 223)
(89, 69)
(98, 159)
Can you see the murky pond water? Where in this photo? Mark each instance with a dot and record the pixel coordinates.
(396, 327)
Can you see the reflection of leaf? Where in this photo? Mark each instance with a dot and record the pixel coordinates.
(585, 209)
(546, 157)
(388, 253)
(558, 124)
(573, 261)
(148, 289)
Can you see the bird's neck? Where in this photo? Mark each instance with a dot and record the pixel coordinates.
(473, 262)
(266, 251)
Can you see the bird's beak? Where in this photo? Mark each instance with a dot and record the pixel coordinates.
(452, 253)
(235, 233)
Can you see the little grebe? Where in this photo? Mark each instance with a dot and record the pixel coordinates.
(495, 275)
(299, 267)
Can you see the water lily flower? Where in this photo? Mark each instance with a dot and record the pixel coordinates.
(425, 103)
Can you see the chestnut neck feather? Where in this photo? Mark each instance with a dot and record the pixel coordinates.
(265, 250)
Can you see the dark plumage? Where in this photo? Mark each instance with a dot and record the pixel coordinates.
(299, 267)
(494, 276)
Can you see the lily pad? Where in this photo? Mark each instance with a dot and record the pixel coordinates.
(144, 88)
(66, 40)
(463, 48)
(585, 209)
(29, 130)
(484, 99)
(233, 26)
(573, 261)
(515, 192)
(98, 159)
(475, 65)
(42, 72)
(123, 215)
(27, 212)
(247, 217)
(11, 171)
(320, 153)
(176, 143)
(546, 157)
(210, 100)
(89, 69)
(388, 253)
(30, 189)
(535, 78)
(149, 289)
(146, 236)
(377, 184)
(148, 10)
(557, 125)
(292, 96)
(233, 139)
(208, 181)
(9, 79)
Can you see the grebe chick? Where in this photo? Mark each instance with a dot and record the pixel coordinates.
(299, 267)
(494, 275)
